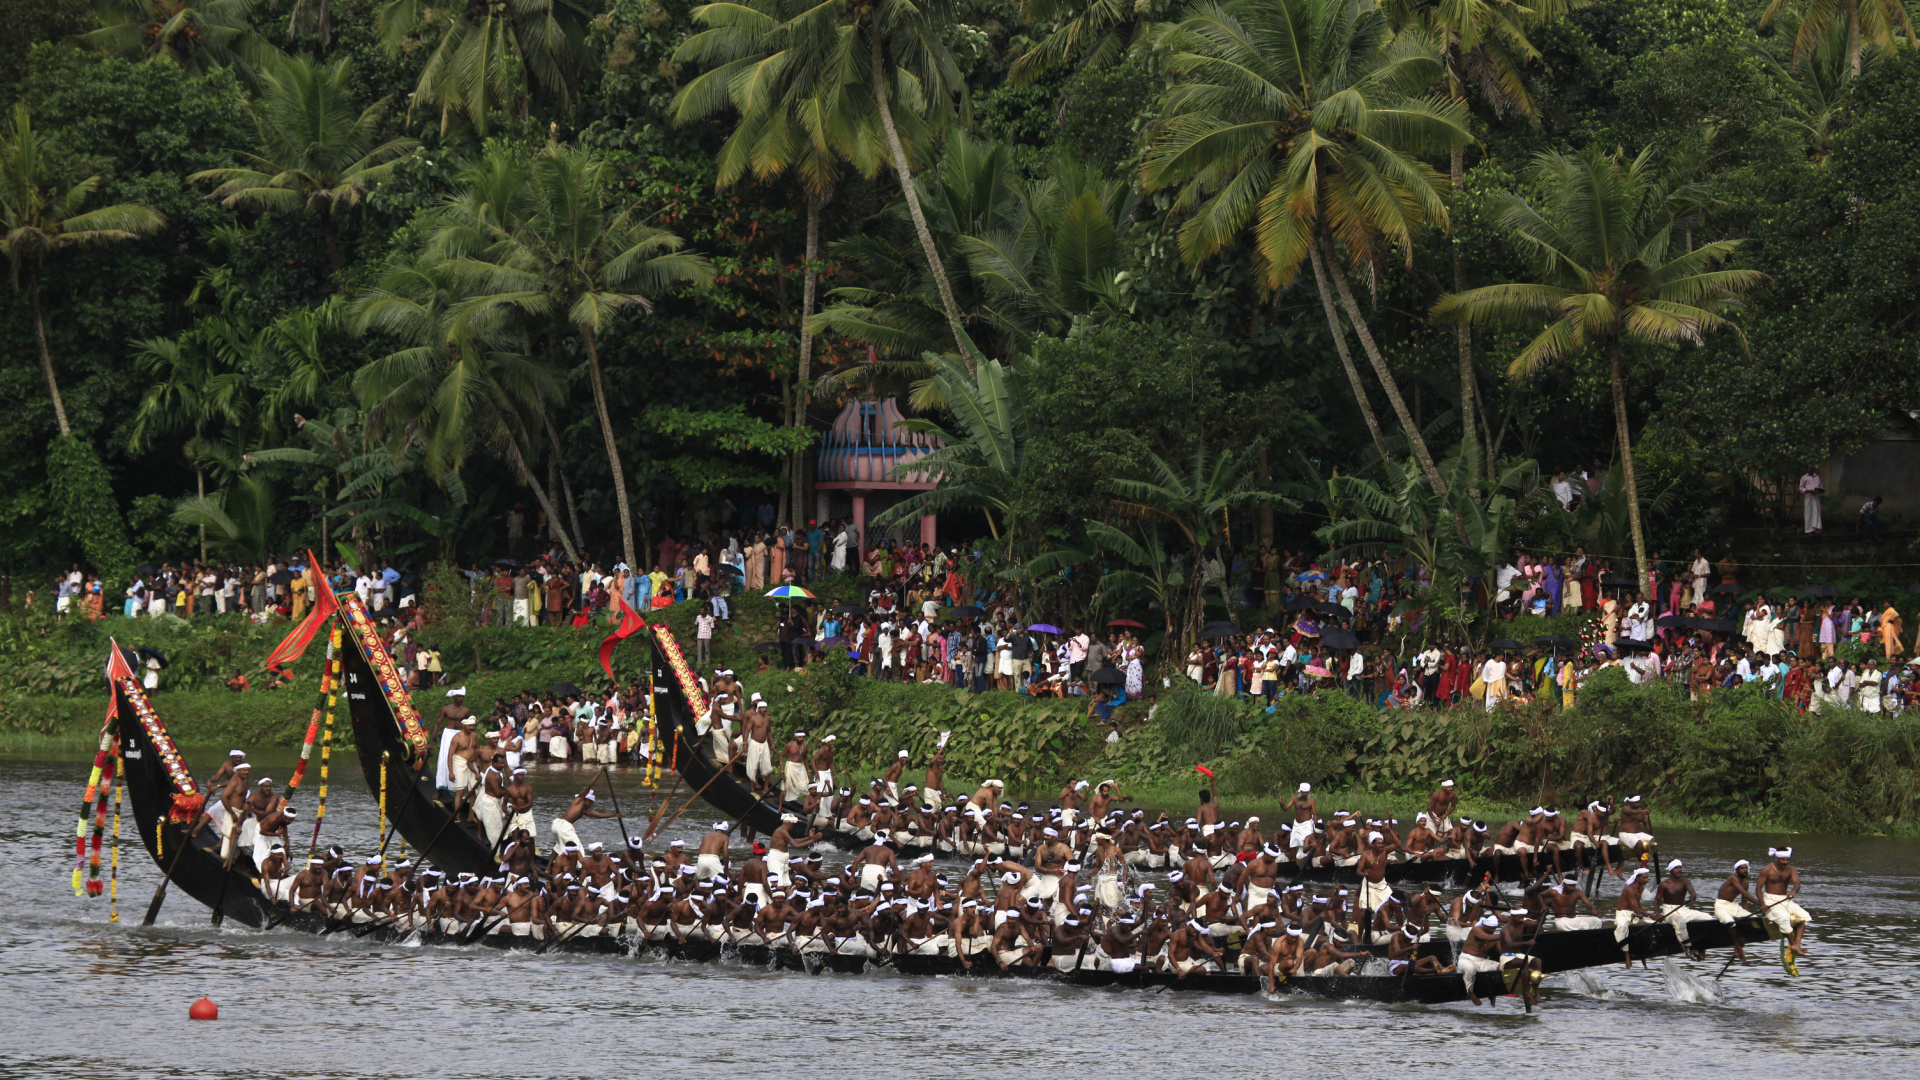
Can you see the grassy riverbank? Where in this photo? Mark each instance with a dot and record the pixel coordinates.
(1741, 761)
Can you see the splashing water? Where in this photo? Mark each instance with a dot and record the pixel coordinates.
(1585, 984)
(1684, 986)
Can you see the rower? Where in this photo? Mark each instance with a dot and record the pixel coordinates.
(461, 753)
(874, 864)
(711, 862)
(1562, 901)
(1779, 884)
(272, 829)
(1070, 803)
(274, 879)
(1516, 954)
(579, 806)
(823, 763)
(1477, 952)
(1729, 906)
(1330, 958)
(1630, 912)
(1590, 829)
(794, 783)
(1372, 869)
(1304, 815)
(488, 803)
(756, 728)
(1404, 948)
(1440, 806)
(1674, 894)
(1021, 939)
(304, 891)
(1191, 948)
(1636, 828)
(891, 778)
(518, 804)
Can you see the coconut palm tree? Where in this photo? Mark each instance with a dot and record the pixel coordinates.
(1100, 33)
(814, 135)
(198, 35)
(979, 464)
(194, 391)
(43, 198)
(454, 383)
(1303, 119)
(314, 155)
(1867, 22)
(577, 258)
(492, 55)
(1607, 275)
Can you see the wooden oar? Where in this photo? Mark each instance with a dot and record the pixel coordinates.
(226, 873)
(160, 891)
(720, 772)
(413, 788)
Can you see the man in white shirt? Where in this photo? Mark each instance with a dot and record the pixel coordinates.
(1700, 569)
(1563, 491)
(363, 587)
(1494, 674)
(1811, 488)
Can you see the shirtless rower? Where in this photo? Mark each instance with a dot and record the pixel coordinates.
(225, 772)
(274, 873)
(1675, 894)
(1105, 794)
(1730, 904)
(488, 804)
(1191, 948)
(1208, 814)
(1330, 958)
(1070, 803)
(1404, 948)
(1779, 884)
(1478, 952)
(1636, 828)
(1021, 939)
(891, 778)
(1517, 939)
(229, 811)
(874, 864)
(757, 731)
(936, 786)
(823, 763)
(580, 806)
(517, 798)
(272, 829)
(1630, 911)
(1522, 838)
(304, 892)
(1372, 869)
(711, 862)
(1563, 901)
(1590, 829)
(781, 844)
(1440, 806)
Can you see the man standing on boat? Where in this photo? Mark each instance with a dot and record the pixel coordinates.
(581, 806)
(1636, 828)
(757, 729)
(1440, 807)
(1675, 894)
(793, 779)
(1735, 894)
(1304, 813)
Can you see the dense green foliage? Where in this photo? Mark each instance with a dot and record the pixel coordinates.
(1059, 233)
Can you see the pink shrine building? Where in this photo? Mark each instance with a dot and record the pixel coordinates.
(860, 455)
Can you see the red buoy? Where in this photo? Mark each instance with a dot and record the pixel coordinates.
(204, 1009)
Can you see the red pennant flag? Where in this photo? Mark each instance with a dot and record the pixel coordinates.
(1204, 769)
(324, 605)
(117, 667)
(630, 623)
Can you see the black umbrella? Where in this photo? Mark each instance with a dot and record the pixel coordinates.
(1820, 590)
(1615, 581)
(1729, 588)
(385, 613)
(508, 564)
(766, 646)
(1670, 620)
(1340, 639)
(1298, 602)
(155, 653)
(1630, 645)
(1505, 645)
(965, 611)
(1214, 631)
(146, 569)
(1109, 676)
(1556, 641)
(1714, 626)
(1336, 610)
(564, 689)
(280, 577)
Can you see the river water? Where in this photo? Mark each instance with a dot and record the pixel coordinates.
(91, 998)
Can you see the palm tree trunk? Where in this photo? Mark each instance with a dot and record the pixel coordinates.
(1346, 359)
(913, 199)
(809, 294)
(540, 495)
(613, 449)
(1626, 456)
(1360, 331)
(46, 358)
(1463, 334)
(1853, 46)
(200, 487)
(566, 485)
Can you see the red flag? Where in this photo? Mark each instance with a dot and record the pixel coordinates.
(630, 624)
(117, 662)
(1204, 769)
(324, 605)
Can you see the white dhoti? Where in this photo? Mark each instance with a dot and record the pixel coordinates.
(1624, 920)
(759, 761)
(1728, 910)
(1299, 835)
(520, 610)
(557, 748)
(709, 866)
(487, 808)
(871, 875)
(1635, 839)
(1044, 886)
(777, 863)
(1372, 895)
(1106, 891)
(1678, 916)
(564, 834)
(263, 846)
(1577, 922)
(277, 888)
(459, 773)
(793, 784)
(1469, 966)
(759, 894)
(1783, 914)
(522, 819)
(1256, 895)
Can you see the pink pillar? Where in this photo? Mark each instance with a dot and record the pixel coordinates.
(928, 533)
(860, 521)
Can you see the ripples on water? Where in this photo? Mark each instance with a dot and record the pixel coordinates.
(91, 999)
